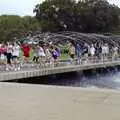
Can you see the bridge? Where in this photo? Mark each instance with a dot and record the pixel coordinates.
(38, 70)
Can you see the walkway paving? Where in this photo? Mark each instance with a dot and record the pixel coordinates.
(35, 102)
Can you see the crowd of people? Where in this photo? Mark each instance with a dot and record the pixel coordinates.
(12, 54)
(101, 51)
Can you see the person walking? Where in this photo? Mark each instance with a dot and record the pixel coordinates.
(9, 56)
(48, 56)
(16, 56)
(35, 54)
(72, 51)
(41, 54)
(78, 50)
(92, 50)
(26, 52)
(115, 52)
(16, 52)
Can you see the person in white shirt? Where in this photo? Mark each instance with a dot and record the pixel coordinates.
(115, 52)
(16, 51)
(41, 54)
(92, 50)
(15, 56)
(105, 51)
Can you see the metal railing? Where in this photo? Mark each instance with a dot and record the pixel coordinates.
(44, 64)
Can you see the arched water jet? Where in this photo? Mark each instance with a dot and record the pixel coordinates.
(81, 38)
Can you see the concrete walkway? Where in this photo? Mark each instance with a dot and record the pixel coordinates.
(29, 73)
(35, 102)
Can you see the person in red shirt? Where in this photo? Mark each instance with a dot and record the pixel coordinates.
(26, 51)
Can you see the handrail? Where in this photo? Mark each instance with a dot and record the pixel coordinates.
(44, 64)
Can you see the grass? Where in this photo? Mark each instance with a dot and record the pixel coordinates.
(64, 56)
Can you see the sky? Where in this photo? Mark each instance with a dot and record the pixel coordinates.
(25, 7)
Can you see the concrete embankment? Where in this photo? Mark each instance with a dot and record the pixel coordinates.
(36, 102)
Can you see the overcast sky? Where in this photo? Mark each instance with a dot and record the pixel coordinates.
(25, 7)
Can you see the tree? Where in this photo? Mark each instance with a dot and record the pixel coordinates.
(57, 14)
(15, 26)
(84, 16)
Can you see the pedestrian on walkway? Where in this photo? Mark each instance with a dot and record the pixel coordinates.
(26, 52)
(92, 50)
(78, 50)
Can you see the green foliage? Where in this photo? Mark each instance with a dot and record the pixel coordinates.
(84, 16)
(63, 15)
(15, 26)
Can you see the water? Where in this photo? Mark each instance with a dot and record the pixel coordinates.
(101, 78)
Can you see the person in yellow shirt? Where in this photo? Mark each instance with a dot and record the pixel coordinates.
(72, 51)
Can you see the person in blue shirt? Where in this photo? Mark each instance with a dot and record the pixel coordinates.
(78, 50)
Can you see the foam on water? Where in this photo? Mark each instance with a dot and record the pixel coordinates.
(97, 80)
(109, 80)
(116, 77)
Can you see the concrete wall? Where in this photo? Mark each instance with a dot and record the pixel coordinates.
(50, 71)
